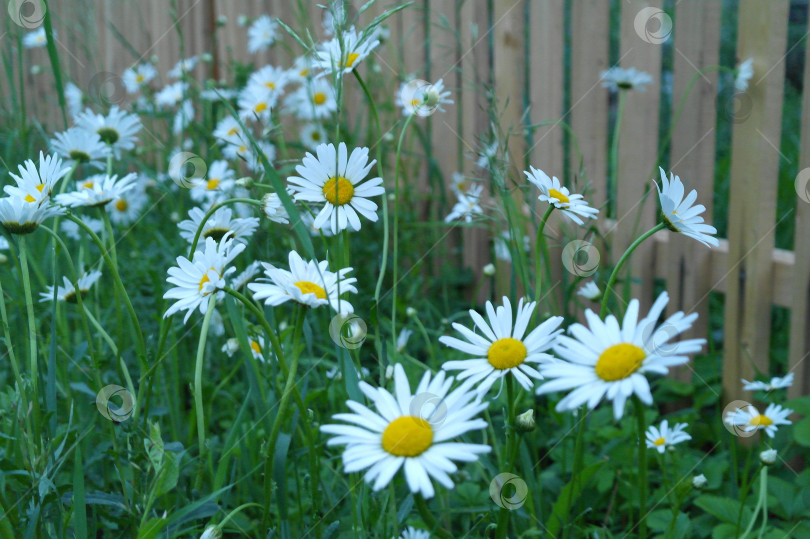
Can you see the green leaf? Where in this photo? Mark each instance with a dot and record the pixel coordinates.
(570, 491)
(169, 473)
(724, 531)
(801, 432)
(724, 509)
(151, 528)
(800, 405)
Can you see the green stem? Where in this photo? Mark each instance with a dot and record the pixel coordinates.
(511, 441)
(622, 260)
(576, 468)
(198, 368)
(540, 244)
(396, 233)
(430, 520)
(32, 333)
(642, 469)
(761, 501)
(614, 147)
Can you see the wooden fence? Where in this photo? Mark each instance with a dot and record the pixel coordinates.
(520, 49)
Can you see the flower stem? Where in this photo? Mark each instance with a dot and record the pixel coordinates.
(32, 332)
(396, 234)
(540, 245)
(622, 260)
(430, 520)
(642, 470)
(198, 368)
(511, 441)
(762, 503)
(613, 177)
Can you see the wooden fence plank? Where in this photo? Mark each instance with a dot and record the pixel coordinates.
(754, 171)
(638, 148)
(687, 265)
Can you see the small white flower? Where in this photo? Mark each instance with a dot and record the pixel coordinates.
(302, 69)
(274, 79)
(35, 39)
(590, 291)
(768, 457)
(573, 206)
(78, 145)
(662, 437)
(255, 103)
(423, 100)
(68, 292)
(127, 207)
(502, 243)
(489, 270)
(220, 224)
(138, 76)
(274, 209)
(775, 383)
(468, 206)
(312, 135)
(218, 94)
(412, 533)
(261, 34)
(183, 117)
(313, 100)
(182, 67)
(678, 211)
(744, 73)
(172, 94)
(617, 78)
(333, 56)
(97, 190)
(35, 184)
(118, 128)
(73, 97)
(230, 347)
(751, 420)
(216, 186)
(699, 481)
(247, 275)
(487, 156)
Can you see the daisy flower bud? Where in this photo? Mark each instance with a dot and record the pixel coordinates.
(35, 69)
(525, 421)
(699, 481)
(211, 532)
(389, 372)
(247, 181)
(410, 311)
(768, 457)
(222, 20)
(489, 270)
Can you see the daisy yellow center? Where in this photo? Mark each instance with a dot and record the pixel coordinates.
(316, 135)
(407, 436)
(29, 198)
(232, 131)
(121, 205)
(205, 278)
(416, 102)
(319, 98)
(271, 85)
(559, 196)
(760, 421)
(308, 287)
(212, 184)
(619, 361)
(660, 441)
(304, 72)
(338, 191)
(506, 353)
(351, 59)
(255, 347)
(139, 78)
(87, 185)
(260, 107)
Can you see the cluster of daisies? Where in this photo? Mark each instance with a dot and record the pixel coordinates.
(747, 419)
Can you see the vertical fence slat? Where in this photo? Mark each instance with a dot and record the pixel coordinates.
(688, 264)
(638, 148)
(799, 351)
(755, 159)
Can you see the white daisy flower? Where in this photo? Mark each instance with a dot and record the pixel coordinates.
(228, 130)
(309, 221)
(314, 100)
(217, 184)
(421, 99)
(409, 431)
(77, 145)
(183, 117)
(255, 103)
(661, 438)
(204, 275)
(274, 209)
(35, 39)
(272, 78)
(487, 156)
(590, 291)
(332, 57)
(334, 179)
(467, 206)
(751, 420)
(218, 94)
(171, 95)
(775, 383)
(261, 34)
(678, 211)
(68, 292)
(97, 190)
(127, 207)
(74, 232)
(459, 183)
(118, 128)
(502, 242)
(503, 349)
(34, 185)
(312, 135)
(301, 71)
(402, 339)
(220, 224)
(247, 275)
(308, 283)
(412, 533)
(182, 67)
(617, 78)
(252, 159)
(744, 73)
(605, 360)
(20, 217)
(551, 190)
(138, 76)
(73, 97)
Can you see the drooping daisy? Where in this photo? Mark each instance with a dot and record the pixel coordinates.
(662, 438)
(261, 34)
(551, 190)
(247, 275)
(409, 431)
(35, 39)
(467, 206)
(312, 135)
(749, 419)
(69, 292)
(309, 283)
(413, 533)
(609, 361)
(75, 232)
(272, 78)
(204, 275)
(138, 76)
(216, 186)
(617, 78)
(422, 99)
(172, 94)
(221, 223)
(97, 190)
(314, 100)
(334, 179)
(679, 214)
(590, 291)
(504, 347)
(775, 383)
(35, 184)
(127, 207)
(274, 209)
(118, 128)
(255, 103)
(744, 73)
(21, 217)
(77, 145)
(334, 56)
(73, 97)
(182, 67)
